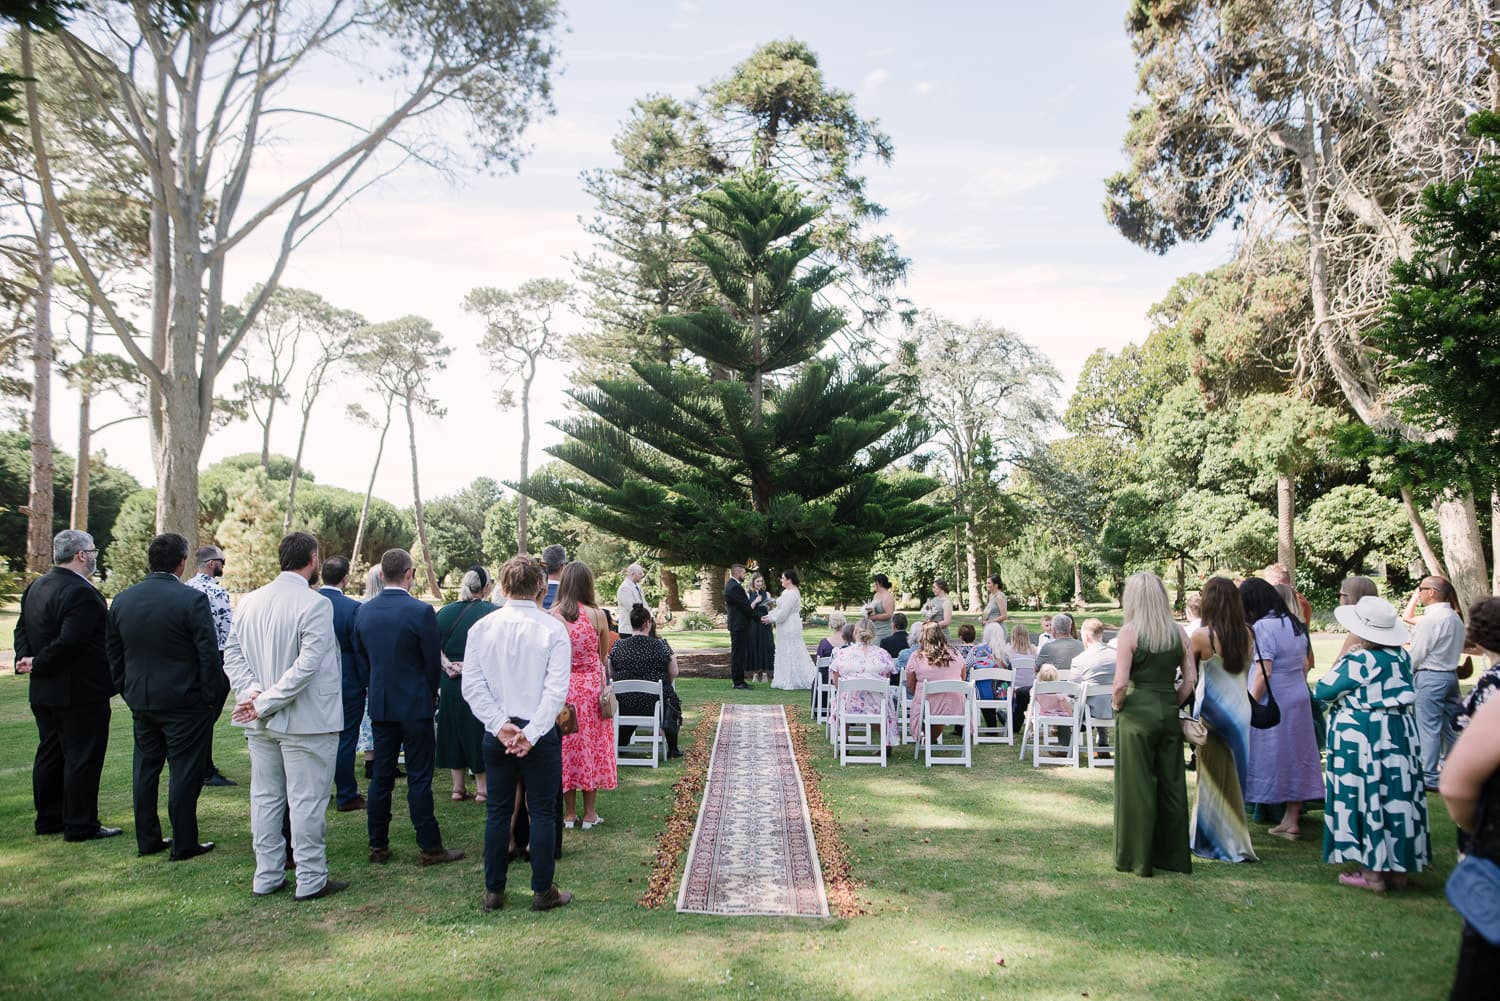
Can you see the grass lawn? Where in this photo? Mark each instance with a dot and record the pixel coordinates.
(961, 869)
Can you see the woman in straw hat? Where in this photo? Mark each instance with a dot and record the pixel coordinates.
(1376, 808)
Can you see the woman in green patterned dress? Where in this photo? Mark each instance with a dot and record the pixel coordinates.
(1376, 808)
(460, 737)
(1151, 811)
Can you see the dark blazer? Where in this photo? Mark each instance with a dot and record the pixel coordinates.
(344, 610)
(61, 627)
(396, 655)
(163, 648)
(737, 601)
(895, 643)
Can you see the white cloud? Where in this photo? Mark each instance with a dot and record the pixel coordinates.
(875, 79)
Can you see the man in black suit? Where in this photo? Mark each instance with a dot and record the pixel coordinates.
(60, 642)
(897, 640)
(345, 780)
(164, 657)
(396, 654)
(741, 617)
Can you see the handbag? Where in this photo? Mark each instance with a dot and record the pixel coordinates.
(1263, 717)
(1194, 730)
(608, 704)
(1474, 892)
(1466, 669)
(567, 720)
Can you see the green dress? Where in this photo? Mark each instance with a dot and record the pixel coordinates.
(1151, 809)
(460, 737)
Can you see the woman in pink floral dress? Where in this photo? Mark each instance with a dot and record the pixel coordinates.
(865, 659)
(934, 660)
(588, 756)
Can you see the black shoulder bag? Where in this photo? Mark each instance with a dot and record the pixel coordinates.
(1263, 717)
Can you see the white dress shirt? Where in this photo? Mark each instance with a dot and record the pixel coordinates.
(516, 665)
(1437, 642)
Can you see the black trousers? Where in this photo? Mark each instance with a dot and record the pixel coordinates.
(181, 739)
(541, 769)
(71, 741)
(420, 740)
(739, 654)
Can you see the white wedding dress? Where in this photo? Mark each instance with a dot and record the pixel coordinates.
(795, 671)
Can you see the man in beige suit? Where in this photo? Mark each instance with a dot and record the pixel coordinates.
(283, 660)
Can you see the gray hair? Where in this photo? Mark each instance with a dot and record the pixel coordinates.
(635, 568)
(374, 582)
(554, 558)
(472, 586)
(69, 543)
(1062, 623)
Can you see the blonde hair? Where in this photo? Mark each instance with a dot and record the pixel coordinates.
(1046, 672)
(931, 646)
(864, 632)
(1289, 598)
(837, 620)
(1146, 608)
(1020, 639)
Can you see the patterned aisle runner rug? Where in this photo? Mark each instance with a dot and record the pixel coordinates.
(753, 850)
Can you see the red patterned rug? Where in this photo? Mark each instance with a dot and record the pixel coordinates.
(753, 849)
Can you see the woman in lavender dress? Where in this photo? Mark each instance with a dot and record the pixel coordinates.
(1285, 766)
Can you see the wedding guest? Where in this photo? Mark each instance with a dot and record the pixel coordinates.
(933, 660)
(1223, 649)
(1194, 613)
(1021, 655)
(346, 784)
(554, 558)
(881, 609)
(588, 756)
(1437, 645)
(628, 596)
(1151, 813)
(1278, 575)
(210, 562)
(1046, 636)
(965, 640)
(837, 623)
(1063, 647)
(643, 656)
(898, 640)
(864, 659)
(460, 736)
(1095, 665)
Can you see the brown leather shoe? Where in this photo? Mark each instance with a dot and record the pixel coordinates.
(380, 856)
(493, 901)
(357, 803)
(440, 855)
(550, 898)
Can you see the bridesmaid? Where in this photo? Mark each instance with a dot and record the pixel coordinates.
(1222, 648)
(1151, 814)
(762, 635)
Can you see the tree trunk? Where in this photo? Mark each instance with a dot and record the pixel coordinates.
(672, 595)
(1286, 552)
(756, 376)
(1495, 541)
(711, 598)
(973, 566)
(416, 497)
(522, 502)
(80, 516)
(1462, 548)
(177, 451)
(1419, 533)
(291, 488)
(364, 509)
(1181, 602)
(1077, 584)
(39, 514)
(265, 436)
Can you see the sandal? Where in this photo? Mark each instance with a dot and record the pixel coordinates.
(569, 824)
(1285, 835)
(590, 824)
(1395, 881)
(480, 797)
(1362, 880)
(460, 795)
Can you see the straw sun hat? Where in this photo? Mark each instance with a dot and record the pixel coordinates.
(1373, 619)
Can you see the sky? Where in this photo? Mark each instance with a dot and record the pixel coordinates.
(1005, 119)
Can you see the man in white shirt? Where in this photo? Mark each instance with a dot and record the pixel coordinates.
(629, 595)
(1437, 645)
(283, 660)
(516, 664)
(1095, 666)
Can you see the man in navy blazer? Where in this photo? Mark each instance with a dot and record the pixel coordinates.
(396, 656)
(335, 572)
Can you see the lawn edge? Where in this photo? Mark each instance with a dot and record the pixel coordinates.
(687, 791)
(839, 884)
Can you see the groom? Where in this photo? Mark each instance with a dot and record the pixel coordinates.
(741, 616)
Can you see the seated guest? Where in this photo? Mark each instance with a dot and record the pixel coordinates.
(934, 660)
(965, 640)
(640, 655)
(1095, 666)
(1051, 704)
(1020, 647)
(1046, 636)
(897, 641)
(837, 623)
(1063, 647)
(863, 659)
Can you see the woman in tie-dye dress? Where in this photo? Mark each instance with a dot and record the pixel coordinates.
(1222, 646)
(1376, 807)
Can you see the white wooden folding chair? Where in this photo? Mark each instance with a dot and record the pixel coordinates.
(1099, 752)
(945, 754)
(1024, 664)
(648, 745)
(1000, 702)
(822, 692)
(1040, 730)
(870, 749)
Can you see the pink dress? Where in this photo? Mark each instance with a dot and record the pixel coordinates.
(947, 704)
(859, 661)
(588, 756)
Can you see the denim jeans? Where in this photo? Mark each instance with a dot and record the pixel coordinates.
(1437, 707)
(541, 768)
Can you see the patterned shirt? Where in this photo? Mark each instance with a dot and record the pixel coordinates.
(218, 603)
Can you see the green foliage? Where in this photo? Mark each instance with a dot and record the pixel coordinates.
(1035, 568)
(134, 529)
(696, 622)
(548, 526)
(456, 524)
(109, 486)
(1341, 532)
(332, 514)
(1223, 530)
(251, 530)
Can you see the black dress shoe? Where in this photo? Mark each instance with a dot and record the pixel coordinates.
(357, 803)
(97, 834)
(742, 685)
(493, 901)
(219, 779)
(155, 849)
(193, 851)
(328, 889)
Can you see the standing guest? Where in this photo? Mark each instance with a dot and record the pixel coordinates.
(1376, 811)
(1151, 814)
(882, 607)
(345, 782)
(1223, 648)
(554, 558)
(1437, 645)
(864, 659)
(210, 560)
(588, 756)
(1285, 766)
(1484, 633)
(642, 656)
(1095, 665)
(933, 660)
(1351, 590)
(741, 617)
(992, 619)
(898, 640)
(284, 662)
(762, 633)
(1277, 575)
(629, 595)
(59, 641)
(374, 584)
(794, 670)
(1194, 613)
(939, 607)
(396, 653)
(1063, 648)
(517, 669)
(164, 658)
(460, 736)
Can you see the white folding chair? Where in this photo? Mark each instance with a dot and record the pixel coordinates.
(872, 748)
(1000, 733)
(903, 711)
(1024, 664)
(1040, 730)
(648, 745)
(822, 691)
(946, 754)
(1096, 727)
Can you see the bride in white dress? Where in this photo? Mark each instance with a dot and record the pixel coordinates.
(795, 670)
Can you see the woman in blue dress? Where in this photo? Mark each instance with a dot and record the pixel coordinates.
(1222, 647)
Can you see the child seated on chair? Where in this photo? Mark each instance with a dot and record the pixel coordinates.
(1052, 703)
